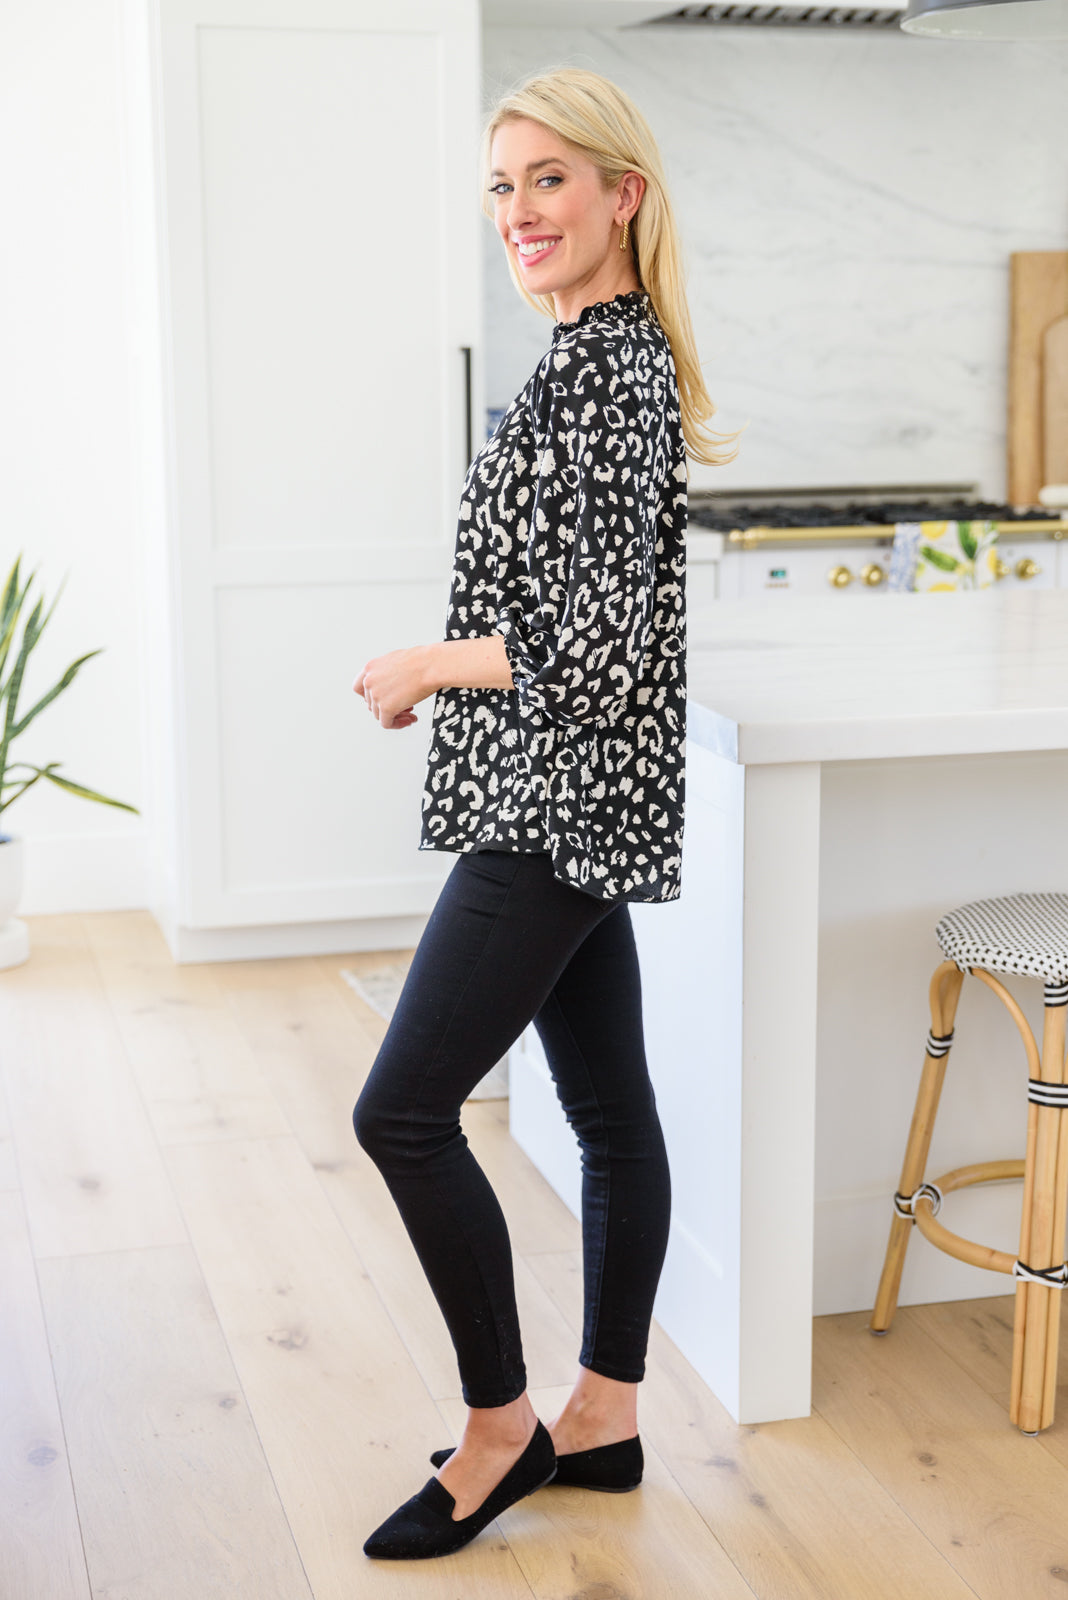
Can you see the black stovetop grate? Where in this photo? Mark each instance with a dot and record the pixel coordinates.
(724, 514)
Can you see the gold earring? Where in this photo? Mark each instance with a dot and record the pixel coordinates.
(624, 238)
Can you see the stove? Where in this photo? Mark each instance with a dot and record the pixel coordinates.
(763, 541)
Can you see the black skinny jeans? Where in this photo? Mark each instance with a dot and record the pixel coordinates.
(507, 943)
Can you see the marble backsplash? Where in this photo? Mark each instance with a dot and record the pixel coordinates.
(849, 203)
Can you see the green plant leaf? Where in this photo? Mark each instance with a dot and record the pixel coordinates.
(48, 614)
(67, 678)
(968, 543)
(11, 584)
(14, 683)
(939, 558)
(25, 783)
(34, 629)
(87, 794)
(10, 605)
(7, 782)
(10, 611)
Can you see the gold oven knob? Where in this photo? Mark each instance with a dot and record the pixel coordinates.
(1027, 568)
(1001, 568)
(873, 575)
(840, 577)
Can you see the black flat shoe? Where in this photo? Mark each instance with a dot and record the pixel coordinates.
(424, 1526)
(610, 1468)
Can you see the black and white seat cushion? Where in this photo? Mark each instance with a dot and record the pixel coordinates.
(1025, 933)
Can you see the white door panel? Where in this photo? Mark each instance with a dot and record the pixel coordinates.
(316, 795)
(311, 409)
(319, 214)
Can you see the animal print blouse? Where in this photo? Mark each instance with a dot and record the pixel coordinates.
(571, 545)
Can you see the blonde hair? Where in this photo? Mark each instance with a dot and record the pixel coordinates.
(595, 117)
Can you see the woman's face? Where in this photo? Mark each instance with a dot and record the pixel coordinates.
(559, 223)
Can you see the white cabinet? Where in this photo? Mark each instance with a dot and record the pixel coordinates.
(314, 203)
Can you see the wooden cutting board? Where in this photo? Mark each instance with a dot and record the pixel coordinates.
(1038, 292)
(1055, 401)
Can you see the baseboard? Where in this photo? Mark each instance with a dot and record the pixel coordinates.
(71, 873)
(292, 939)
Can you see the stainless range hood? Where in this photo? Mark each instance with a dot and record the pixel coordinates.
(964, 19)
(649, 14)
(782, 16)
(946, 19)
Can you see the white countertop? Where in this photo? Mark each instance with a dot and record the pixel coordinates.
(856, 677)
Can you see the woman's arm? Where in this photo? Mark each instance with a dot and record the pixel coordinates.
(392, 684)
(469, 664)
(577, 643)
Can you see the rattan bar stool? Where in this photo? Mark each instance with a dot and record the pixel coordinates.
(1028, 934)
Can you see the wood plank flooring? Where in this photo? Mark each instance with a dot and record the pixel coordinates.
(220, 1365)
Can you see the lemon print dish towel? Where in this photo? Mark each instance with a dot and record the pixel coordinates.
(929, 557)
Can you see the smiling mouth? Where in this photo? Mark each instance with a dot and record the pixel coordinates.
(537, 247)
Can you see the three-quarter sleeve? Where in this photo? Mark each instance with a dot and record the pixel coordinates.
(576, 642)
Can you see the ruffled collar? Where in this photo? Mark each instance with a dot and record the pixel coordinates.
(629, 307)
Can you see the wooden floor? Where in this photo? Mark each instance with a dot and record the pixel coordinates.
(220, 1366)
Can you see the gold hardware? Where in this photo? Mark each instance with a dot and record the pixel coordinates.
(1001, 568)
(840, 577)
(869, 533)
(1027, 568)
(873, 575)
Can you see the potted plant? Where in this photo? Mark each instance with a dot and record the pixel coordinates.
(14, 939)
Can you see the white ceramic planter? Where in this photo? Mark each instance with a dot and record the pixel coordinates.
(14, 935)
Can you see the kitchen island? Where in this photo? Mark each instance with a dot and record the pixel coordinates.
(853, 772)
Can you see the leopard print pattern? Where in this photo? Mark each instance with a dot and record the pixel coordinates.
(571, 545)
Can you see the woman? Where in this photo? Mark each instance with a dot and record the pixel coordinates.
(556, 772)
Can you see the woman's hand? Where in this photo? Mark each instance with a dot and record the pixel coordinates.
(392, 685)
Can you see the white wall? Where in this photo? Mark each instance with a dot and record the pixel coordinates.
(849, 203)
(65, 446)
